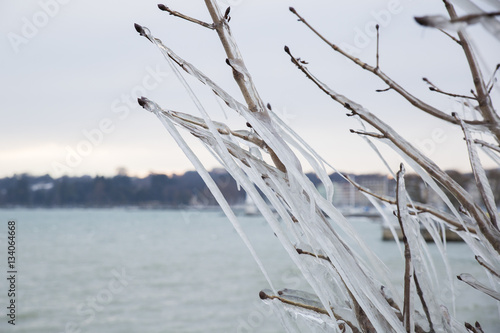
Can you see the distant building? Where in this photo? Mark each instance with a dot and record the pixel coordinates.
(346, 195)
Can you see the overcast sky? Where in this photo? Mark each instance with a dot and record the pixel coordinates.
(72, 70)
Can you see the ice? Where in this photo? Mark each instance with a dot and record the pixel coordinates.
(344, 284)
(480, 176)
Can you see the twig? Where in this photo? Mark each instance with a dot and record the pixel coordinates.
(449, 35)
(433, 87)
(492, 81)
(390, 82)
(482, 182)
(408, 265)
(424, 303)
(263, 296)
(471, 281)
(450, 94)
(483, 263)
(485, 105)
(185, 17)
(320, 256)
(378, 40)
(374, 135)
(486, 144)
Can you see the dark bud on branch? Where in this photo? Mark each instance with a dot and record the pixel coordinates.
(263, 295)
(269, 106)
(142, 101)
(139, 29)
(287, 50)
(432, 89)
(163, 7)
(226, 14)
(292, 10)
(377, 26)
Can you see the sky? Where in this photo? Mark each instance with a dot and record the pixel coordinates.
(71, 72)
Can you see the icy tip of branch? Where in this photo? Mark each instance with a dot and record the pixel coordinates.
(163, 7)
(292, 10)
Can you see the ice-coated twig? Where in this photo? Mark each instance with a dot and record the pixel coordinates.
(480, 175)
(424, 303)
(185, 17)
(373, 135)
(389, 81)
(455, 23)
(487, 110)
(402, 209)
(483, 263)
(471, 281)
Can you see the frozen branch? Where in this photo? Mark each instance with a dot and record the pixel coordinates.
(407, 253)
(483, 98)
(483, 263)
(471, 281)
(465, 199)
(482, 182)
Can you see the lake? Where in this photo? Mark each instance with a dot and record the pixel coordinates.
(133, 270)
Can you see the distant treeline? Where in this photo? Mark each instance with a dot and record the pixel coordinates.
(159, 190)
(156, 190)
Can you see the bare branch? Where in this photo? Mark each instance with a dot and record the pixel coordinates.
(390, 82)
(185, 17)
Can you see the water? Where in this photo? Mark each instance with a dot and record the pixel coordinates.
(129, 270)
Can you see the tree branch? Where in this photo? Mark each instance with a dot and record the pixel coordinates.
(484, 100)
(390, 82)
(465, 199)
